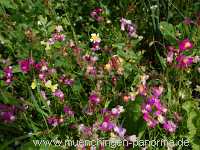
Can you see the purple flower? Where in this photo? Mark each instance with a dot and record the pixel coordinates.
(153, 111)
(91, 70)
(184, 61)
(187, 21)
(95, 14)
(58, 93)
(185, 44)
(58, 37)
(120, 131)
(157, 91)
(55, 121)
(7, 117)
(106, 126)
(7, 113)
(94, 99)
(95, 46)
(170, 126)
(68, 111)
(8, 75)
(127, 25)
(24, 64)
(86, 131)
(65, 80)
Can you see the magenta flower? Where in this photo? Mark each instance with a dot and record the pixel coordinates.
(55, 121)
(7, 113)
(95, 14)
(170, 126)
(25, 65)
(127, 25)
(58, 93)
(187, 21)
(58, 37)
(91, 70)
(185, 44)
(157, 91)
(90, 59)
(106, 126)
(8, 117)
(153, 112)
(8, 75)
(94, 99)
(68, 111)
(184, 61)
(67, 81)
(95, 46)
(41, 66)
(86, 131)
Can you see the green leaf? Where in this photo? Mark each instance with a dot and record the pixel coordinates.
(168, 31)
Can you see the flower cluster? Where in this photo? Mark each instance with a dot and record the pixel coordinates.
(182, 61)
(65, 80)
(55, 120)
(96, 14)
(154, 112)
(108, 123)
(26, 65)
(7, 113)
(127, 25)
(115, 63)
(8, 74)
(68, 111)
(57, 36)
(95, 39)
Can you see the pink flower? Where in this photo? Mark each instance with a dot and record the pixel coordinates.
(96, 46)
(55, 121)
(170, 57)
(86, 131)
(117, 110)
(184, 61)
(106, 126)
(170, 126)
(58, 93)
(127, 25)
(25, 65)
(91, 70)
(157, 91)
(187, 21)
(153, 112)
(68, 111)
(7, 117)
(95, 14)
(8, 75)
(185, 44)
(94, 99)
(7, 113)
(67, 81)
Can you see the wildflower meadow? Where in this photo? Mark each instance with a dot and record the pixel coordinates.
(99, 74)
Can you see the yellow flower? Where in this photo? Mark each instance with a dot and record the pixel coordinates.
(107, 67)
(49, 85)
(95, 38)
(33, 84)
